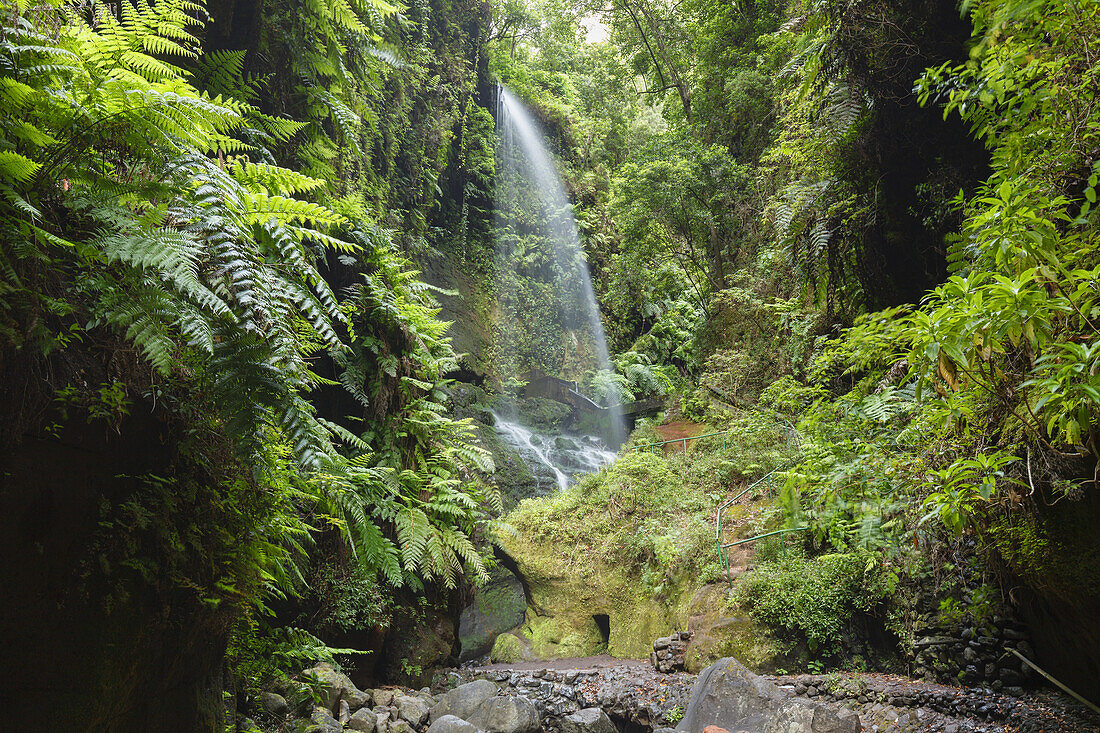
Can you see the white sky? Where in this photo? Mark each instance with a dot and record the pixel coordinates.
(596, 31)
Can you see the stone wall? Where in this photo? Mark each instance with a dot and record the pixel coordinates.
(670, 652)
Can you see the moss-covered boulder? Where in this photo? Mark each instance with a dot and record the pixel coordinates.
(720, 629)
(509, 648)
(498, 606)
(544, 414)
(729, 637)
(416, 645)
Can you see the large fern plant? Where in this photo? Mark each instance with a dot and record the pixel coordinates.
(133, 201)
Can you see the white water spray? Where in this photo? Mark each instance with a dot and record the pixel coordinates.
(524, 158)
(559, 458)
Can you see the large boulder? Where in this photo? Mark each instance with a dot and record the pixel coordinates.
(451, 724)
(728, 695)
(333, 685)
(506, 715)
(498, 606)
(588, 720)
(363, 720)
(411, 709)
(414, 647)
(463, 700)
(509, 648)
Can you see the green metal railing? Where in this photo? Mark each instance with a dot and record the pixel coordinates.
(723, 556)
(792, 438)
(684, 440)
(790, 435)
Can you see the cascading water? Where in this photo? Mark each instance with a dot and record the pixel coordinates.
(548, 309)
(553, 459)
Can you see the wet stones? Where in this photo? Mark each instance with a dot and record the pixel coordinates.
(885, 699)
(626, 693)
(464, 699)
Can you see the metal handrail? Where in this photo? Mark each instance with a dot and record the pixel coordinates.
(684, 440)
(766, 534)
(723, 558)
(789, 431)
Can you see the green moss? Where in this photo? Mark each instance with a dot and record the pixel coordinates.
(1056, 552)
(543, 413)
(813, 598)
(507, 648)
(733, 637)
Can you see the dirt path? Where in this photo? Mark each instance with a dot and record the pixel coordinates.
(678, 430)
(579, 664)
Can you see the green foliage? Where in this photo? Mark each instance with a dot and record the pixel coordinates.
(978, 611)
(144, 212)
(962, 489)
(685, 203)
(1027, 295)
(652, 514)
(349, 599)
(812, 598)
(261, 657)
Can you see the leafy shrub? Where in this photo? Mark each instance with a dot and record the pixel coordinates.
(350, 598)
(813, 598)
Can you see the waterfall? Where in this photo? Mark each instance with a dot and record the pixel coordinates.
(553, 458)
(552, 311)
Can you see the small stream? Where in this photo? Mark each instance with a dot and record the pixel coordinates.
(553, 459)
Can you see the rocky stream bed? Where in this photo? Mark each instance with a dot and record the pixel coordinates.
(607, 695)
(632, 692)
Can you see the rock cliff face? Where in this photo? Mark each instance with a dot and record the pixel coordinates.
(577, 611)
(498, 606)
(78, 624)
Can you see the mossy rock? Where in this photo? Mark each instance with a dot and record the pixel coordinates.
(498, 606)
(565, 604)
(544, 414)
(509, 648)
(416, 645)
(732, 637)
(559, 636)
(567, 600)
(619, 559)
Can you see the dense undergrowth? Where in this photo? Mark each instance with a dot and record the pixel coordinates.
(223, 256)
